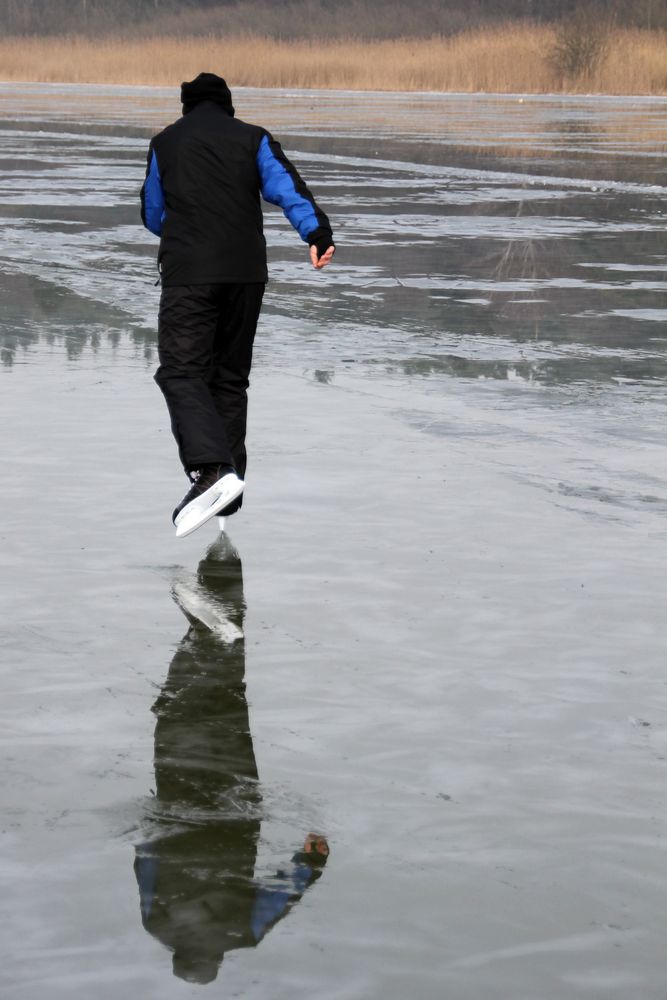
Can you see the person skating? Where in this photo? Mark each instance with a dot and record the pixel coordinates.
(201, 195)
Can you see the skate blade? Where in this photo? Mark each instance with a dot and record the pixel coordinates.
(195, 514)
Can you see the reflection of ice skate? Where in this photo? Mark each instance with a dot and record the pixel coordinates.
(200, 610)
(205, 599)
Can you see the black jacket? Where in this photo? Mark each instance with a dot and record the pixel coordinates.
(201, 195)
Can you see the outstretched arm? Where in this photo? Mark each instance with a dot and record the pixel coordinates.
(282, 185)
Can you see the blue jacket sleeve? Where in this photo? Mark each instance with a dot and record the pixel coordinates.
(282, 185)
(152, 196)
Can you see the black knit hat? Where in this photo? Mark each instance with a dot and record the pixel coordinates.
(206, 87)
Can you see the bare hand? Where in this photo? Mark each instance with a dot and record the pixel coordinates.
(316, 844)
(324, 259)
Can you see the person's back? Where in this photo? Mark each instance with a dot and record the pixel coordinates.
(212, 230)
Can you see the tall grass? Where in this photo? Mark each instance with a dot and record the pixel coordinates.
(516, 58)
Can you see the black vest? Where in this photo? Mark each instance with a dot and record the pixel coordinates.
(213, 229)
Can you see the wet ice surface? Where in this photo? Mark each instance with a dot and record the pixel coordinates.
(453, 567)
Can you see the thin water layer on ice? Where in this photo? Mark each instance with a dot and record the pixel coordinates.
(439, 642)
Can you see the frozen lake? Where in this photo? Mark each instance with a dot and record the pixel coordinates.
(438, 639)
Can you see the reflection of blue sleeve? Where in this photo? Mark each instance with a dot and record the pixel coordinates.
(282, 185)
(272, 902)
(146, 868)
(152, 197)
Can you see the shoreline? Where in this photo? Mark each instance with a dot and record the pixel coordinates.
(168, 89)
(515, 59)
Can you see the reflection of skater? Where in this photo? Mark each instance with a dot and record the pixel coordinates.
(201, 195)
(199, 896)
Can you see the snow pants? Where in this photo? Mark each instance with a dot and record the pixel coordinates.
(205, 341)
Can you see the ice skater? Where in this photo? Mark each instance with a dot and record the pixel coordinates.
(201, 196)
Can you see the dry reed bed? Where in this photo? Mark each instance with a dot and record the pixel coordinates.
(513, 59)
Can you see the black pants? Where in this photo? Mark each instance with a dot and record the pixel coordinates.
(205, 340)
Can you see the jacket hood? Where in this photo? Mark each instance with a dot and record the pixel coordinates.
(206, 87)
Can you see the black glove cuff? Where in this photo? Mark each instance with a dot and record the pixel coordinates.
(322, 239)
